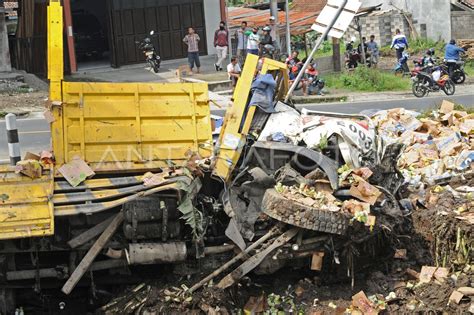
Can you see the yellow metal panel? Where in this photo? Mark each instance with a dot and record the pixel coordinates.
(25, 206)
(111, 125)
(239, 118)
(56, 69)
(231, 141)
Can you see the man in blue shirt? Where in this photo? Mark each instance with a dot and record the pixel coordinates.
(399, 42)
(452, 55)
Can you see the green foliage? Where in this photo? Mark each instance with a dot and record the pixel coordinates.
(420, 45)
(417, 47)
(367, 80)
(469, 67)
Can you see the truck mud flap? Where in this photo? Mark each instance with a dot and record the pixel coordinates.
(294, 213)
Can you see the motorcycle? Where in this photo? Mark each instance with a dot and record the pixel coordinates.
(352, 59)
(424, 82)
(315, 84)
(401, 67)
(268, 51)
(459, 75)
(149, 50)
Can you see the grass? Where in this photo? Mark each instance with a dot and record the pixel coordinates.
(417, 47)
(469, 68)
(364, 79)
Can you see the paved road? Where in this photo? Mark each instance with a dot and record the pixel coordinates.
(35, 136)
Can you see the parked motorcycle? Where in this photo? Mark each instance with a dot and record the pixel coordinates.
(150, 53)
(352, 59)
(424, 82)
(315, 84)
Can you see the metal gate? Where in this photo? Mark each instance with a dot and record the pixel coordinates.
(131, 21)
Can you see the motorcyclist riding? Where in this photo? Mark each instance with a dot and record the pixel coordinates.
(429, 58)
(452, 56)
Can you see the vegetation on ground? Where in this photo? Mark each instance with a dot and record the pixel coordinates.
(364, 79)
(469, 68)
(417, 47)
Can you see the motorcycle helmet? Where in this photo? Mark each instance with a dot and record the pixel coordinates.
(267, 29)
(147, 40)
(430, 52)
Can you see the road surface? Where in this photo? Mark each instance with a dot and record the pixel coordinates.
(35, 136)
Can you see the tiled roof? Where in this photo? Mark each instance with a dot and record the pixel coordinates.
(11, 4)
(469, 3)
(300, 22)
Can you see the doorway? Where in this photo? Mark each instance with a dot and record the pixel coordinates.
(91, 33)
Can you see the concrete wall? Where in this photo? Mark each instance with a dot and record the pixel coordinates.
(435, 14)
(380, 24)
(5, 65)
(212, 15)
(462, 25)
(326, 64)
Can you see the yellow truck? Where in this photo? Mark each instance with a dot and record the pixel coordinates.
(162, 190)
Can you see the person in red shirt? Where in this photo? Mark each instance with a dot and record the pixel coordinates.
(221, 42)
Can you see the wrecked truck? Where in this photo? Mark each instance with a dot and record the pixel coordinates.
(136, 179)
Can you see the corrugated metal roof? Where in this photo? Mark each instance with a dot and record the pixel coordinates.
(300, 22)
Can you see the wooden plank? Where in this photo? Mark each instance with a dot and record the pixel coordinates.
(90, 233)
(92, 254)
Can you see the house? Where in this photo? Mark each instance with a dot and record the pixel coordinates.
(434, 19)
(4, 47)
(105, 31)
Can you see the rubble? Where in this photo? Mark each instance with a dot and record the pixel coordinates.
(438, 145)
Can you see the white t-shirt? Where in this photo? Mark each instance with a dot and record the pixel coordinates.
(253, 41)
(233, 69)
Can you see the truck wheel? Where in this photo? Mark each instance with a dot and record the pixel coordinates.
(294, 213)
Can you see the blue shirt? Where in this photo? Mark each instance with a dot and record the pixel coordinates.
(452, 52)
(399, 41)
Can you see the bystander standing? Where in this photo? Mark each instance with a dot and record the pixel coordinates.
(192, 41)
(221, 42)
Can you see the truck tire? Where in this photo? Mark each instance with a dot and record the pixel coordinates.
(294, 213)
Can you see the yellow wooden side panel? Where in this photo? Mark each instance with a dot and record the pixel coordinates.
(25, 206)
(239, 118)
(118, 126)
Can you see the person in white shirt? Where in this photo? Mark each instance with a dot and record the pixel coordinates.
(233, 70)
(253, 42)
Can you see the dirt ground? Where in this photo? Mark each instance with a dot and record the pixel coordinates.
(19, 102)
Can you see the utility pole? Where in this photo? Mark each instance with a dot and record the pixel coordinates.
(274, 12)
(5, 65)
(288, 33)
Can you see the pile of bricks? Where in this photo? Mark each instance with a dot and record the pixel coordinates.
(468, 45)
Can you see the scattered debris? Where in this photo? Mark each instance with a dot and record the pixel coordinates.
(76, 171)
(30, 168)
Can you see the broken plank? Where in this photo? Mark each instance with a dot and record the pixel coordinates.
(92, 254)
(96, 194)
(234, 260)
(256, 259)
(90, 233)
(62, 186)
